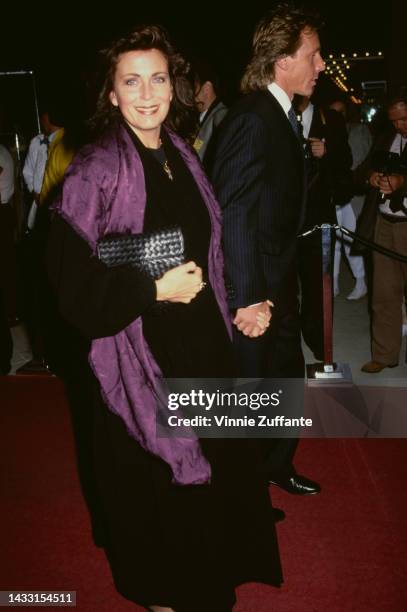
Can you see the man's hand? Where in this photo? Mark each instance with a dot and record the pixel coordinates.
(390, 183)
(374, 179)
(253, 321)
(387, 183)
(318, 148)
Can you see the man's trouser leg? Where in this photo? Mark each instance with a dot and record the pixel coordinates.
(389, 281)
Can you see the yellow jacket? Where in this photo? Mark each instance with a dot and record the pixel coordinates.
(59, 158)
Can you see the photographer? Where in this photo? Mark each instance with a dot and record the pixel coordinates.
(328, 162)
(384, 219)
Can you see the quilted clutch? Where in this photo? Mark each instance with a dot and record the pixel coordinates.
(152, 252)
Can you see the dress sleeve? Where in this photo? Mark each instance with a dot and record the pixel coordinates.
(99, 301)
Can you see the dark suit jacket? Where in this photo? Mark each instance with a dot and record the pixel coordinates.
(259, 179)
(330, 177)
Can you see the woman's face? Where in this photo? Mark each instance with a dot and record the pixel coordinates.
(142, 90)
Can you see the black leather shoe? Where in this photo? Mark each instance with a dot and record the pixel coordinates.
(278, 515)
(297, 485)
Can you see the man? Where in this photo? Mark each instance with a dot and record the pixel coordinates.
(33, 172)
(35, 162)
(386, 206)
(212, 112)
(259, 177)
(329, 185)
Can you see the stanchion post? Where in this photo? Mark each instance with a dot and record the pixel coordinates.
(327, 292)
(328, 370)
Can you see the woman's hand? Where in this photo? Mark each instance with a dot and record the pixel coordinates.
(181, 284)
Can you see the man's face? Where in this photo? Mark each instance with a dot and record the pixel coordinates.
(46, 125)
(339, 107)
(303, 68)
(398, 117)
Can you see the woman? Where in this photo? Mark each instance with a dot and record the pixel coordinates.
(184, 521)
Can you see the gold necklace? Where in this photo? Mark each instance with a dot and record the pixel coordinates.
(167, 170)
(166, 167)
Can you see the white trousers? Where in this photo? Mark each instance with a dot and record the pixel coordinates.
(345, 216)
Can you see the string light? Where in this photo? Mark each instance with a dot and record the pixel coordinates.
(343, 58)
(336, 68)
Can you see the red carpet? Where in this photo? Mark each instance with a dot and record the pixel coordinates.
(344, 550)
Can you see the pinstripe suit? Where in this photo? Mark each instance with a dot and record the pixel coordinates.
(259, 179)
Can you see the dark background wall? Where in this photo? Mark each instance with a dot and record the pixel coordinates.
(59, 42)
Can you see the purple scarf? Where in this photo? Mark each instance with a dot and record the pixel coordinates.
(104, 192)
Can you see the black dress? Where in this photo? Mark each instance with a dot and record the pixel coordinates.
(182, 547)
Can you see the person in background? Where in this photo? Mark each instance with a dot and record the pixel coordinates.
(360, 142)
(384, 219)
(35, 161)
(329, 184)
(212, 111)
(49, 344)
(32, 245)
(66, 143)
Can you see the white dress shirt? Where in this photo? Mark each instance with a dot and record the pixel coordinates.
(306, 119)
(202, 115)
(281, 96)
(35, 162)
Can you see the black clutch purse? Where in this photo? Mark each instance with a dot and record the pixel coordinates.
(153, 253)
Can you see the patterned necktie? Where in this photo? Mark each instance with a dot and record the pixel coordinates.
(45, 141)
(292, 117)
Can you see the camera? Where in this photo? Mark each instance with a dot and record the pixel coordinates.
(387, 162)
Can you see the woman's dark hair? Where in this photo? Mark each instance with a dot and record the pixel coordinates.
(277, 35)
(182, 113)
